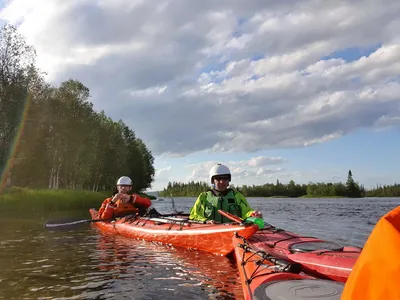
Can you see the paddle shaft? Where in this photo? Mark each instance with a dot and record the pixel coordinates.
(77, 222)
(82, 221)
(231, 217)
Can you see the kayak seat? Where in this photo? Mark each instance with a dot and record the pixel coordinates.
(313, 246)
(299, 289)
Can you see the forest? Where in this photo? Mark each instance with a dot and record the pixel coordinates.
(52, 138)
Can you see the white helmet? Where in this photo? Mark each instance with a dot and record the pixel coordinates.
(124, 180)
(219, 169)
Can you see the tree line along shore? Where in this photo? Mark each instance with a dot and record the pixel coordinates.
(349, 189)
(16, 198)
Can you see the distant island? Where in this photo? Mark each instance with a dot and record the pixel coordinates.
(349, 189)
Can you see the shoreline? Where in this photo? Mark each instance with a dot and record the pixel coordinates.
(17, 198)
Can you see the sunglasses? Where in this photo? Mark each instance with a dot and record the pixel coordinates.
(221, 178)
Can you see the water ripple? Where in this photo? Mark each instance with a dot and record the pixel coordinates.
(85, 264)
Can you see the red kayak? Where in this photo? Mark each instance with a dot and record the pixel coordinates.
(320, 258)
(178, 231)
(264, 276)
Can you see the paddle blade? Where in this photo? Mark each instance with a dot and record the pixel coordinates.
(71, 222)
(173, 206)
(61, 223)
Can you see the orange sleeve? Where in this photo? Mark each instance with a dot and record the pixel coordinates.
(141, 201)
(103, 206)
(376, 274)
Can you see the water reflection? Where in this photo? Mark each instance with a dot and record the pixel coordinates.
(40, 265)
(172, 272)
(85, 264)
(219, 272)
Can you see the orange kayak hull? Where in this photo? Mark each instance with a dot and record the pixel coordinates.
(213, 238)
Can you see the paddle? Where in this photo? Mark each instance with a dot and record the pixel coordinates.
(61, 223)
(175, 211)
(231, 217)
(258, 221)
(73, 222)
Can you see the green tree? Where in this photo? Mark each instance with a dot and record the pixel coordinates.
(65, 143)
(18, 78)
(353, 190)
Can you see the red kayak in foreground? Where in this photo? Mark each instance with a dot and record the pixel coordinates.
(178, 231)
(266, 277)
(319, 258)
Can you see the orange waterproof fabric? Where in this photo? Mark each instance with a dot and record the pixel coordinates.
(122, 209)
(376, 274)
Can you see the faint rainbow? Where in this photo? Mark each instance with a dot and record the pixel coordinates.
(15, 143)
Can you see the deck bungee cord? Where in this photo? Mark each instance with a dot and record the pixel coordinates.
(259, 257)
(267, 277)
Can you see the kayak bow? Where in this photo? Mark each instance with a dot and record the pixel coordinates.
(265, 277)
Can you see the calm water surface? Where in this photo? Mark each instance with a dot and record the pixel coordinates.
(82, 263)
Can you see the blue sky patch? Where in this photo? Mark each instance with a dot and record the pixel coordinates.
(254, 77)
(241, 21)
(353, 53)
(257, 56)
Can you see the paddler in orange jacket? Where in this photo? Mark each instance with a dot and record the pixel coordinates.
(123, 203)
(376, 274)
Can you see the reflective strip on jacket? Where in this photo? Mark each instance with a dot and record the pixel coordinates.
(207, 205)
(376, 274)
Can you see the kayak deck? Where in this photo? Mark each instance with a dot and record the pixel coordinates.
(318, 257)
(176, 231)
(264, 276)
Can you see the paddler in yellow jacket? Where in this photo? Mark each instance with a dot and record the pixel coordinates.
(376, 274)
(221, 197)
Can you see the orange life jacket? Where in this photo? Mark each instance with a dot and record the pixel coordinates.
(376, 274)
(120, 209)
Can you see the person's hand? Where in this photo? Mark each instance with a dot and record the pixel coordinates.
(120, 196)
(115, 198)
(256, 214)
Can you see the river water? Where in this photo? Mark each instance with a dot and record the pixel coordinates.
(82, 263)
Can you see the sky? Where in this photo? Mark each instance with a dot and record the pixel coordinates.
(292, 90)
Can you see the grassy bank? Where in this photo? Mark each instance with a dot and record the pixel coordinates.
(50, 200)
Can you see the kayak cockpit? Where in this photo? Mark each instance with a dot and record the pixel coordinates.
(315, 246)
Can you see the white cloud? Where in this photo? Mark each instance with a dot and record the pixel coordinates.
(192, 76)
(259, 167)
(162, 176)
(161, 172)
(262, 161)
(387, 121)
